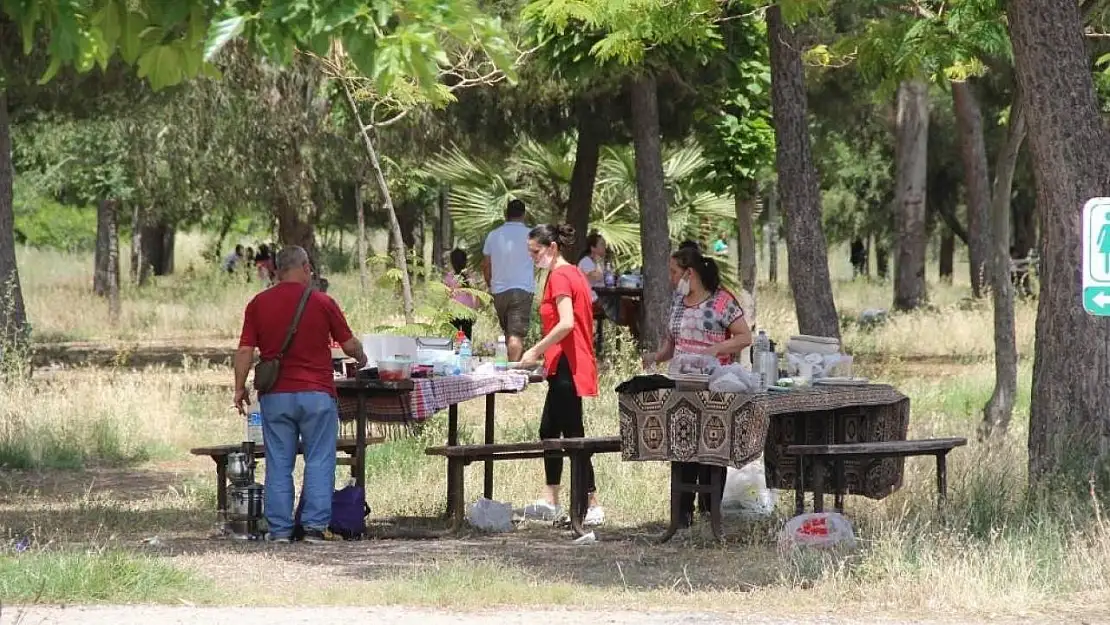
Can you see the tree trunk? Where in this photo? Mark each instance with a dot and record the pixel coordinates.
(946, 257)
(1024, 213)
(973, 153)
(1000, 406)
(745, 208)
(293, 229)
(1070, 152)
(444, 241)
(808, 266)
(13, 316)
(408, 303)
(882, 261)
(105, 222)
(654, 234)
(111, 264)
(157, 244)
(360, 213)
(911, 162)
(587, 153)
(140, 271)
(771, 233)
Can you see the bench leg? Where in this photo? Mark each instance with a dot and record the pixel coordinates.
(942, 479)
(221, 488)
(839, 485)
(800, 487)
(455, 484)
(819, 485)
(579, 498)
(716, 483)
(491, 410)
(676, 502)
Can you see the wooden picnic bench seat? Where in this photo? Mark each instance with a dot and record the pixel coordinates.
(219, 453)
(822, 454)
(577, 450)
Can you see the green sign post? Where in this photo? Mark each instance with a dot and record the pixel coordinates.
(1096, 256)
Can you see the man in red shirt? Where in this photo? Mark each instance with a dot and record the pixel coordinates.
(301, 405)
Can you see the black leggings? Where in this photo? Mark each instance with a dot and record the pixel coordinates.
(562, 417)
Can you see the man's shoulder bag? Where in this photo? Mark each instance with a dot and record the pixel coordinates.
(266, 371)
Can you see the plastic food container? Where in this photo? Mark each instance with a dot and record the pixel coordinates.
(393, 370)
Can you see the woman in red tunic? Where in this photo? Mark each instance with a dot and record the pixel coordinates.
(567, 347)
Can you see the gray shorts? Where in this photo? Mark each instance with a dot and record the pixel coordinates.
(514, 311)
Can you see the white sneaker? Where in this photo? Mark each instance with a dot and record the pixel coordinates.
(541, 511)
(594, 516)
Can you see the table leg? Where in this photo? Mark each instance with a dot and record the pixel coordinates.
(819, 484)
(452, 440)
(676, 503)
(716, 483)
(358, 467)
(455, 484)
(800, 486)
(579, 498)
(942, 479)
(221, 488)
(491, 410)
(839, 485)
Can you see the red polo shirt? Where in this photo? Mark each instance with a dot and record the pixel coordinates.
(306, 365)
(578, 346)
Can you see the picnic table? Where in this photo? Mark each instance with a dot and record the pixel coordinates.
(372, 401)
(612, 291)
(731, 429)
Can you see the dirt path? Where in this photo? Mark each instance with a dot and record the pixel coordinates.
(145, 615)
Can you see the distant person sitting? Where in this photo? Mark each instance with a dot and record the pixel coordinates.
(720, 246)
(233, 260)
(508, 270)
(457, 278)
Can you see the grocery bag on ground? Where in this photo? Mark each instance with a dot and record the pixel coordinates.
(490, 516)
(746, 493)
(817, 529)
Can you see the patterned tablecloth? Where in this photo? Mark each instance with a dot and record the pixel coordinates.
(725, 429)
(431, 395)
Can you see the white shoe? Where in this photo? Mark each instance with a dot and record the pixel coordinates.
(594, 516)
(541, 511)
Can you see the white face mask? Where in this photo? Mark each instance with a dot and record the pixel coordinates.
(544, 260)
(683, 287)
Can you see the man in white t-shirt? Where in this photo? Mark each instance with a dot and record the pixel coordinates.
(510, 274)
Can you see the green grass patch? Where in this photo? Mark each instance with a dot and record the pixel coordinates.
(94, 577)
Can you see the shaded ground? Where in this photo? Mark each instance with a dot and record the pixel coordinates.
(144, 615)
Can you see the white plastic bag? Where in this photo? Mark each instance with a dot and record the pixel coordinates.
(490, 516)
(817, 529)
(746, 493)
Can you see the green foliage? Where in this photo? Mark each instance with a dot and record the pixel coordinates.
(435, 308)
(41, 222)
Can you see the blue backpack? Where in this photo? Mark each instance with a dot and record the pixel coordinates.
(348, 513)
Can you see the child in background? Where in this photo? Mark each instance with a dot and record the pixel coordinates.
(456, 279)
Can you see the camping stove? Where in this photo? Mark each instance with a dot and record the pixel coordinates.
(244, 495)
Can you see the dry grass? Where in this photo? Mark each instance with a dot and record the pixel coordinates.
(997, 550)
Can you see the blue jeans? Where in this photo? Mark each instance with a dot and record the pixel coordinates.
(313, 418)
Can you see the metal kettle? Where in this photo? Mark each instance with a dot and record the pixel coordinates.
(240, 467)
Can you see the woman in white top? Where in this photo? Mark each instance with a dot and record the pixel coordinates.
(592, 263)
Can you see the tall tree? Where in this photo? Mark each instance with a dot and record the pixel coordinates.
(798, 184)
(911, 164)
(1070, 148)
(973, 147)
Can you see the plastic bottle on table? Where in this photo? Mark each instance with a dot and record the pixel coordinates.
(464, 352)
(760, 346)
(501, 354)
(254, 422)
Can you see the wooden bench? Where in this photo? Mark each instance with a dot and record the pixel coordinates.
(577, 450)
(219, 453)
(822, 454)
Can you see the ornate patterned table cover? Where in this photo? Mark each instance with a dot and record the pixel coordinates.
(432, 395)
(725, 429)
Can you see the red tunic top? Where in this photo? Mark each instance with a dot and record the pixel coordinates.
(578, 346)
(306, 365)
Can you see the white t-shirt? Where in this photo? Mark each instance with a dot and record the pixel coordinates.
(511, 265)
(587, 265)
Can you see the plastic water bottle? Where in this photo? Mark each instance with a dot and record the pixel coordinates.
(464, 352)
(254, 422)
(760, 346)
(501, 354)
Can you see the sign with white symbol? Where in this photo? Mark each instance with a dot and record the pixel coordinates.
(1096, 256)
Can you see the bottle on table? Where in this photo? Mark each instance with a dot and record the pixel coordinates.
(462, 344)
(254, 422)
(501, 354)
(761, 346)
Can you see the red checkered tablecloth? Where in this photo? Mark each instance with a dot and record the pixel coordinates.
(431, 395)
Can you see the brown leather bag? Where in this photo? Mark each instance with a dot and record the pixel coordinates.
(266, 371)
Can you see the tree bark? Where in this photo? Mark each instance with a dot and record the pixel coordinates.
(105, 221)
(140, 270)
(772, 235)
(111, 263)
(13, 315)
(946, 256)
(973, 153)
(882, 261)
(808, 266)
(1000, 406)
(399, 258)
(911, 162)
(745, 208)
(587, 153)
(157, 245)
(1070, 149)
(360, 213)
(1024, 214)
(293, 228)
(654, 234)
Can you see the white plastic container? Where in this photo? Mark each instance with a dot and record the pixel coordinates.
(501, 354)
(254, 423)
